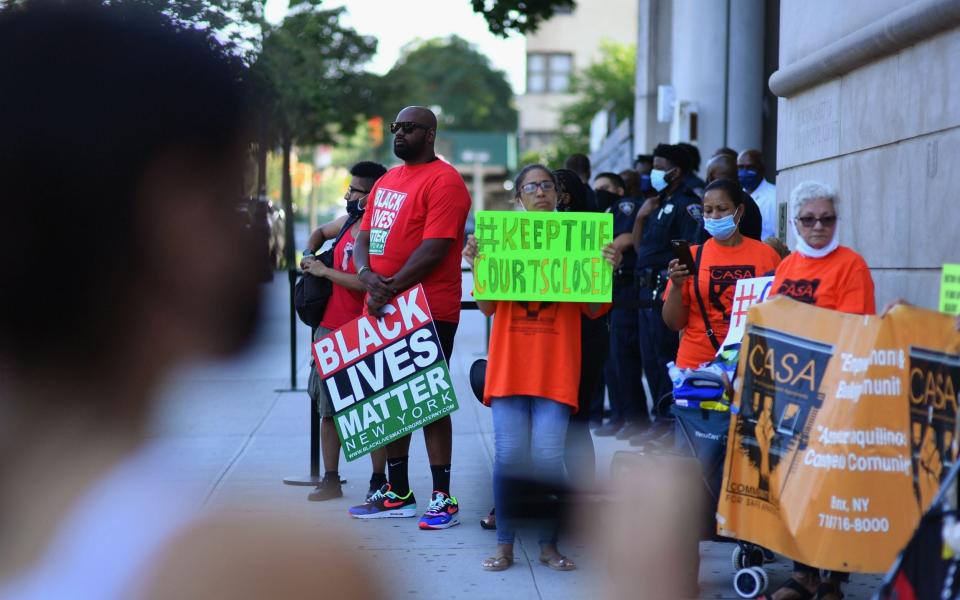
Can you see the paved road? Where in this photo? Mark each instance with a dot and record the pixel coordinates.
(236, 432)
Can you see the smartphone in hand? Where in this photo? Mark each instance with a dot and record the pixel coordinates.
(681, 249)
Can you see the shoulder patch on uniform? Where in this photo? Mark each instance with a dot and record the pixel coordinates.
(626, 207)
(695, 210)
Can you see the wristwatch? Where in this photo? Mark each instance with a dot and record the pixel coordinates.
(308, 253)
(362, 270)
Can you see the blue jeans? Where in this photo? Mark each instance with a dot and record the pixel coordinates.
(529, 440)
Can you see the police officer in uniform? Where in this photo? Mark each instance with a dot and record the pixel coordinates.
(674, 213)
(628, 401)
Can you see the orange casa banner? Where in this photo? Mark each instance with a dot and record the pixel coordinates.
(843, 428)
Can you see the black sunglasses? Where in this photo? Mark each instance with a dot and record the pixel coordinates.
(406, 126)
(827, 221)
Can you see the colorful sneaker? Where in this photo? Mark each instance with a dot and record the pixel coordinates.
(384, 504)
(443, 512)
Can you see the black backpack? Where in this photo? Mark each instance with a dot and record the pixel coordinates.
(311, 294)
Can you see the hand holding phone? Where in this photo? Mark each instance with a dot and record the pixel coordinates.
(681, 249)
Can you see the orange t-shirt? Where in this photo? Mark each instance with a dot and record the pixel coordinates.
(720, 269)
(840, 281)
(535, 351)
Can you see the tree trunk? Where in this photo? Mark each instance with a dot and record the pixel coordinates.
(286, 196)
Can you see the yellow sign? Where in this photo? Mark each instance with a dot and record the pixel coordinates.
(844, 427)
(950, 289)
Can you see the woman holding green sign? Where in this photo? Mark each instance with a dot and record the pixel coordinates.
(533, 375)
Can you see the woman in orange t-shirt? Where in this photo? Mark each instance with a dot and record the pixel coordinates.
(533, 375)
(725, 259)
(821, 272)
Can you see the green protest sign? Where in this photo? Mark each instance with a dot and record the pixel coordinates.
(385, 377)
(950, 289)
(545, 256)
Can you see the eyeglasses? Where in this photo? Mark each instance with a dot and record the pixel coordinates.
(406, 126)
(530, 188)
(353, 190)
(826, 221)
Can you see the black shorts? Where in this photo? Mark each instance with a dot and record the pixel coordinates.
(446, 331)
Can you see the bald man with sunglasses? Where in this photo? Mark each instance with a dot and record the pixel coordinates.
(412, 233)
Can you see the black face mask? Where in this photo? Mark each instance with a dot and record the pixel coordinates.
(606, 199)
(353, 208)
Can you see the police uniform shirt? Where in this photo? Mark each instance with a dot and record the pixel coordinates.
(678, 218)
(624, 213)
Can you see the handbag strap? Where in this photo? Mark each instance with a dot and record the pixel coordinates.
(346, 225)
(703, 308)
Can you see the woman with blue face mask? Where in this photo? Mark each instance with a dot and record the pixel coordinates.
(721, 261)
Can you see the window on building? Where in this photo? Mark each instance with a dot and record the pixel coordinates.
(548, 72)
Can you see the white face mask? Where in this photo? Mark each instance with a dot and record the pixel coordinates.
(658, 179)
(809, 251)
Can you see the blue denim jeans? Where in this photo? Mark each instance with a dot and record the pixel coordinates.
(529, 439)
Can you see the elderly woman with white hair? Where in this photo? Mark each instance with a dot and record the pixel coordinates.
(820, 272)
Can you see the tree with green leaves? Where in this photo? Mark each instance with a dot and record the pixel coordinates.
(309, 85)
(452, 74)
(608, 84)
(518, 16)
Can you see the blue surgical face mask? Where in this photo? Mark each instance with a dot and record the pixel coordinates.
(721, 228)
(658, 179)
(749, 179)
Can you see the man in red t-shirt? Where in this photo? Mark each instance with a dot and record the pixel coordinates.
(412, 232)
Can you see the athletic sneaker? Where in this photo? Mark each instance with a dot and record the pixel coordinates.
(384, 503)
(327, 490)
(443, 512)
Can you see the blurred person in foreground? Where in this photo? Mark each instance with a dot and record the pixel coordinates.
(121, 154)
(721, 261)
(345, 305)
(532, 381)
(821, 272)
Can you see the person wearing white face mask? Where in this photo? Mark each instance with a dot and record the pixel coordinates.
(700, 306)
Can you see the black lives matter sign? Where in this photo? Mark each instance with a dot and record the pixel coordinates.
(385, 377)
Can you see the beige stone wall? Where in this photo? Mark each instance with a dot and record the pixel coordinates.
(887, 135)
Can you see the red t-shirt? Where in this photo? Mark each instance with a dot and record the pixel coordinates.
(839, 281)
(535, 351)
(412, 203)
(720, 269)
(345, 304)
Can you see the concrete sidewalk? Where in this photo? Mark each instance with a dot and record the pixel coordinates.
(236, 435)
